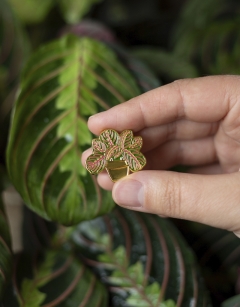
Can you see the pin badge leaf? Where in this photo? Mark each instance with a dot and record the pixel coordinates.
(117, 153)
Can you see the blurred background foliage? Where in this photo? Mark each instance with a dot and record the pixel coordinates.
(176, 39)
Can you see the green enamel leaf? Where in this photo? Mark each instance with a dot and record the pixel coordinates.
(57, 279)
(145, 261)
(5, 250)
(49, 126)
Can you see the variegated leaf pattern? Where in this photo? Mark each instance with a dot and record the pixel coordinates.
(64, 83)
(130, 142)
(143, 259)
(126, 138)
(54, 278)
(134, 159)
(112, 146)
(145, 78)
(98, 146)
(110, 138)
(5, 250)
(96, 163)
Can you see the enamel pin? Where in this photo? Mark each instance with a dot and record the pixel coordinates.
(117, 153)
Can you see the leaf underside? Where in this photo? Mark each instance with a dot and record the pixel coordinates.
(63, 84)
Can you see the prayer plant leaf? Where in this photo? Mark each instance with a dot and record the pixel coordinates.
(232, 302)
(33, 11)
(218, 253)
(143, 259)
(64, 83)
(54, 278)
(73, 10)
(14, 49)
(5, 250)
(145, 78)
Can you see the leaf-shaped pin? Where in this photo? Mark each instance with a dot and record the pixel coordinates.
(142, 258)
(63, 83)
(98, 146)
(95, 163)
(134, 159)
(128, 141)
(110, 138)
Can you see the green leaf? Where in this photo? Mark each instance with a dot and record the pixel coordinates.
(13, 53)
(232, 302)
(166, 63)
(218, 253)
(49, 126)
(33, 11)
(145, 261)
(5, 250)
(56, 278)
(32, 296)
(73, 10)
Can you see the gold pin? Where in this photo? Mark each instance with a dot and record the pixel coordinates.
(117, 153)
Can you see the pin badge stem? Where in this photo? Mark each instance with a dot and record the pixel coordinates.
(118, 153)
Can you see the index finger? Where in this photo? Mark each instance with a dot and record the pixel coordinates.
(206, 99)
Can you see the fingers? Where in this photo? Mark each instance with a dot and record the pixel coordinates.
(196, 152)
(179, 130)
(208, 199)
(212, 169)
(206, 99)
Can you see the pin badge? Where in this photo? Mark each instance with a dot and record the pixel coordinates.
(117, 153)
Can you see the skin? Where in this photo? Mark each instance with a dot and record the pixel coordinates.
(193, 122)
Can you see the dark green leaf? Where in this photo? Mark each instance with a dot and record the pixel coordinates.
(218, 253)
(55, 278)
(38, 233)
(211, 38)
(64, 82)
(13, 52)
(143, 259)
(73, 10)
(5, 249)
(166, 63)
(232, 302)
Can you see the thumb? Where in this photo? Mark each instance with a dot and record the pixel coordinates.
(208, 199)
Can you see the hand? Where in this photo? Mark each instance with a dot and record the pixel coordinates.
(193, 122)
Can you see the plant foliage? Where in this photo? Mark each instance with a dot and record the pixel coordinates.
(5, 250)
(142, 259)
(55, 278)
(63, 83)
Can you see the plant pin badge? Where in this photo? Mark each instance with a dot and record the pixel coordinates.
(117, 153)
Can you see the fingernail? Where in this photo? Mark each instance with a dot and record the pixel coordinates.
(128, 193)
